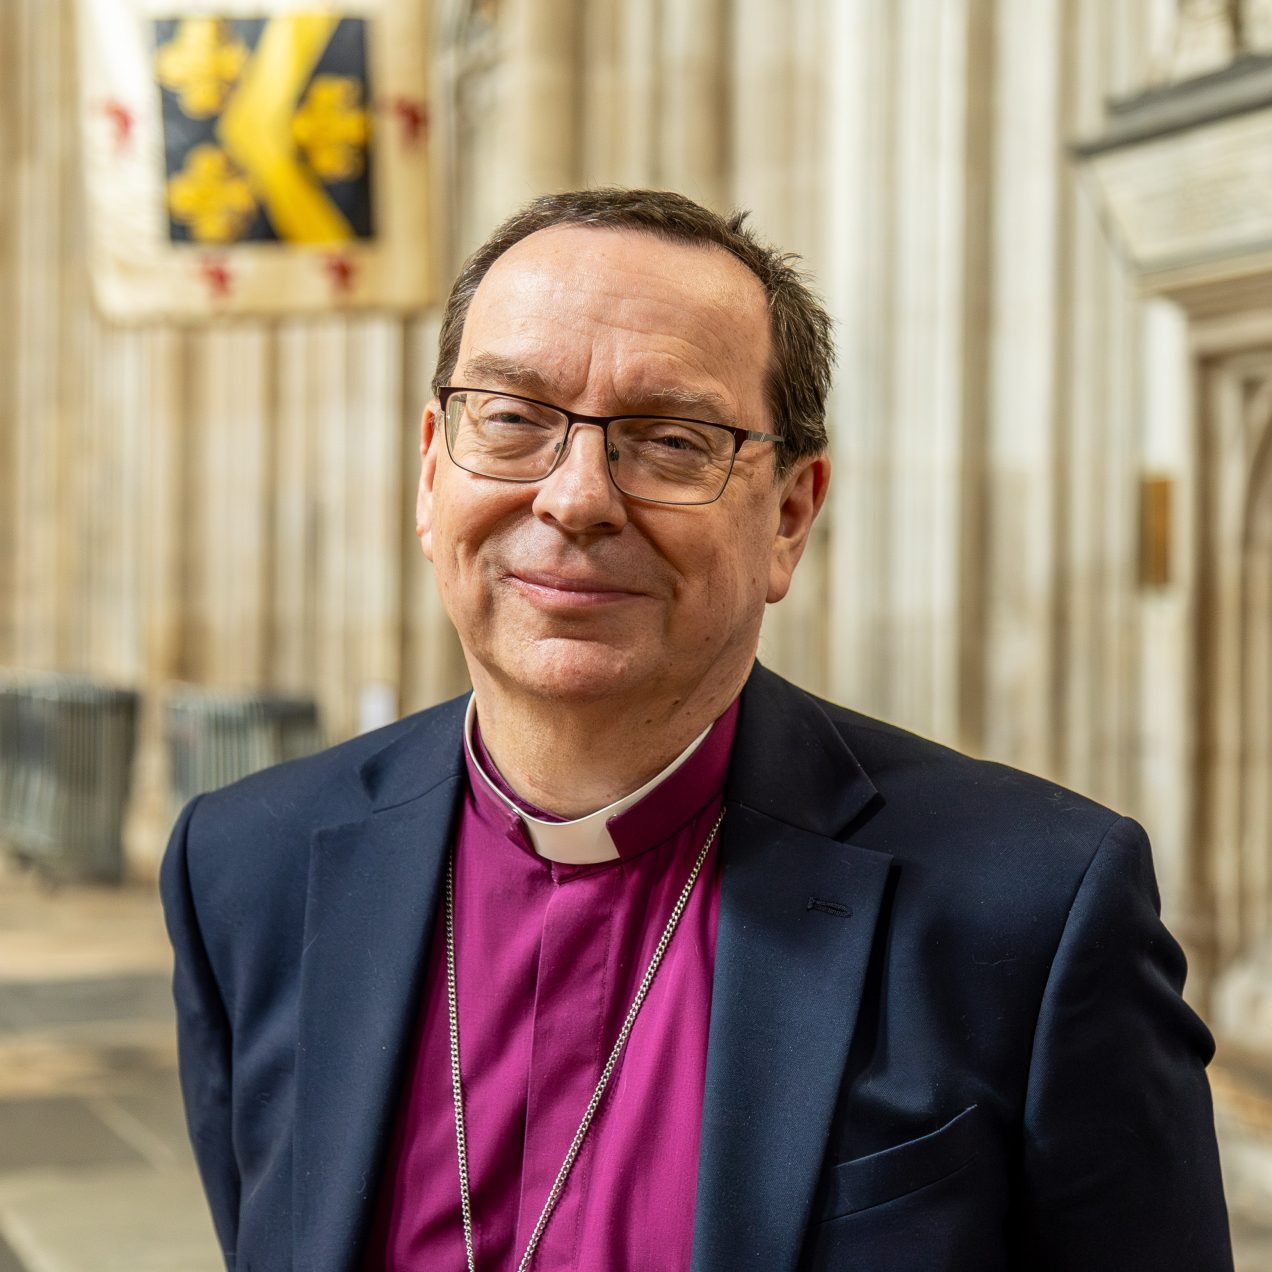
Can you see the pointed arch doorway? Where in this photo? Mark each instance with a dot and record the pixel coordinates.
(1233, 843)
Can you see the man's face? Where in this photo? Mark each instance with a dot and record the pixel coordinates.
(564, 588)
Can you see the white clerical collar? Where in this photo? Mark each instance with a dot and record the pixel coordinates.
(585, 840)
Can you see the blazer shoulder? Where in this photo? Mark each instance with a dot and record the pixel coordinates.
(988, 858)
(979, 823)
(928, 798)
(931, 771)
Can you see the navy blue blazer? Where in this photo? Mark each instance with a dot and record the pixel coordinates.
(946, 1028)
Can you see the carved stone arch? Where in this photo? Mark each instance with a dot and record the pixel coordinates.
(1235, 630)
(1256, 678)
(1258, 500)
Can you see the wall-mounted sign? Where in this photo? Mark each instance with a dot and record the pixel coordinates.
(255, 156)
(1156, 519)
(1183, 177)
(1195, 195)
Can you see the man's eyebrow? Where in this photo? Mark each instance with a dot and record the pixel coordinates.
(667, 400)
(515, 375)
(688, 402)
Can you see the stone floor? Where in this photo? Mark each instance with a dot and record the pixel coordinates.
(95, 1172)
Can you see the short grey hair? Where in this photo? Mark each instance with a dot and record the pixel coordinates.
(797, 380)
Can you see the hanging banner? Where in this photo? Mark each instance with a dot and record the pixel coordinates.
(255, 156)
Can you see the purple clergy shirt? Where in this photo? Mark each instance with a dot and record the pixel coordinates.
(548, 958)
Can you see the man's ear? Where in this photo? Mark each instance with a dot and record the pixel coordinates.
(802, 493)
(430, 440)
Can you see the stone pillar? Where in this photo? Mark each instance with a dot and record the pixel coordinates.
(775, 81)
(692, 147)
(382, 532)
(638, 73)
(432, 662)
(1168, 745)
(859, 254)
(1021, 566)
(162, 545)
(1236, 620)
(230, 483)
(538, 98)
(925, 424)
(9, 324)
(909, 111)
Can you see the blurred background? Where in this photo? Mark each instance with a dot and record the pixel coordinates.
(1044, 228)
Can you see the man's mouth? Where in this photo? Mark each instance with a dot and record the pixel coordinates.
(570, 589)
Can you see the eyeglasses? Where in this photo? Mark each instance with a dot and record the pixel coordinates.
(658, 459)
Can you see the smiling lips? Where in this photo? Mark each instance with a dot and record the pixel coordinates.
(568, 590)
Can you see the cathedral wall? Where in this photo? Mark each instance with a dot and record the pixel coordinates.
(233, 504)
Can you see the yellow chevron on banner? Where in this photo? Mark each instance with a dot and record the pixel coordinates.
(256, 128)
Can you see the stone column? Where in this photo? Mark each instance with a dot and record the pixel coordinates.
(537, 143)
(692, 146)
(909, 288)
(1167, 749)
(381, 534)
(858, 260)
(775, 78)
(9, 324)
(1021, 565)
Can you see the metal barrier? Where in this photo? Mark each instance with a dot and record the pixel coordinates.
(66, 752)
(215, 737)
(10, 753)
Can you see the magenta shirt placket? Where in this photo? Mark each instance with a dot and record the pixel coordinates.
(567, 1049)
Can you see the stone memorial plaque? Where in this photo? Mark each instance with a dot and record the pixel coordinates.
(1193, 196)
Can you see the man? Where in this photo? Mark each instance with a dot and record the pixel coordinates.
(640, 958)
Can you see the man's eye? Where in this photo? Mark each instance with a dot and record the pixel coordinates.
(677, 442)
(672, 442)
(508, 416)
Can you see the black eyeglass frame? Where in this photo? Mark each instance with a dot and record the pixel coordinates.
(740, 435)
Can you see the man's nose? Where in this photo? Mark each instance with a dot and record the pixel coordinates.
(579, 494)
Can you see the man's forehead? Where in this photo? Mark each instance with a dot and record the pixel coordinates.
(561, 253)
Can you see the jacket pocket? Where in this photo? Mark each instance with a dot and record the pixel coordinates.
(905, 1168)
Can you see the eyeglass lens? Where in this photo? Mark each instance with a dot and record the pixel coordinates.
(670, 461)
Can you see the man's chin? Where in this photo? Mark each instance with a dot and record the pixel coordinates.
(577, 671)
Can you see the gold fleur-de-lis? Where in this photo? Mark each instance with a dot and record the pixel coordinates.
(200, 64)
(332, 128)
(211, 197)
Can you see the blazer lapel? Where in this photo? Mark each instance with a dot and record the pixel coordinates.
(797, 918)
(374, 886)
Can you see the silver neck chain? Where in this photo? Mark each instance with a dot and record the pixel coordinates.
(461, 1143)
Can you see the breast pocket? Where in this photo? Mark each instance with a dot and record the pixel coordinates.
(905, 1168)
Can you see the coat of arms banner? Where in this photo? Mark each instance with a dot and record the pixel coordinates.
(255, 156)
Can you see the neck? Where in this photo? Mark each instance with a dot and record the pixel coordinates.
(573, 758)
